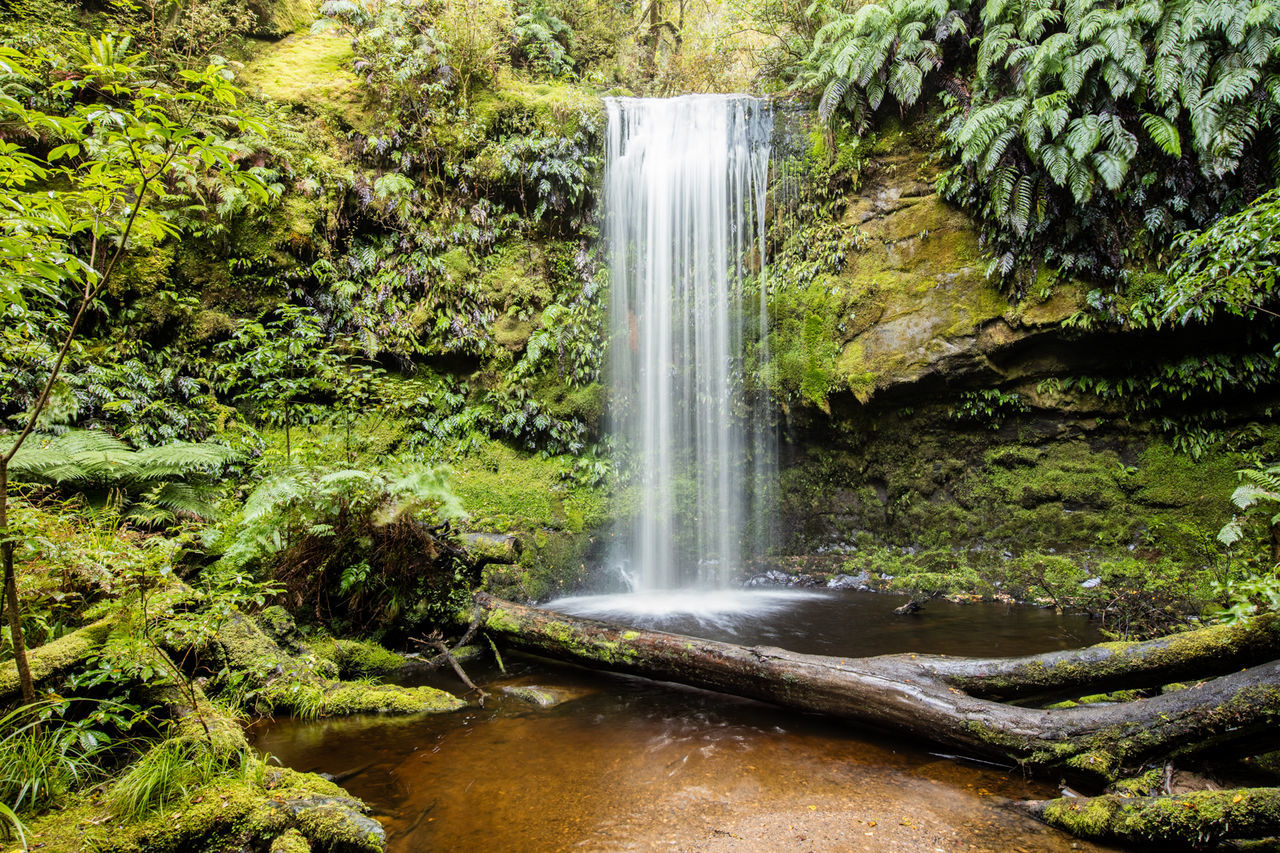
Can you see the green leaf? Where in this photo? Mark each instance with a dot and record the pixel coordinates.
(1164, 133)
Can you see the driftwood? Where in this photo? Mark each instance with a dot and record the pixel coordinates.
(945, 700)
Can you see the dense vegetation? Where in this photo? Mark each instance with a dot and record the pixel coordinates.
(299, 301)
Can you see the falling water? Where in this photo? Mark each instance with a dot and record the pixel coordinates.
(684, 198)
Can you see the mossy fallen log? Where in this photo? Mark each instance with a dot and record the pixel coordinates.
(1190, 655)
(56, 659)
(916, 694)
(1197, 820)
(292, 684)
(306, 811)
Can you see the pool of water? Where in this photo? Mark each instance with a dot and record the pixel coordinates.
(625, 764)
(842, 623)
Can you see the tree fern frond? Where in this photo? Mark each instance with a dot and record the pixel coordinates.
(1164, 133)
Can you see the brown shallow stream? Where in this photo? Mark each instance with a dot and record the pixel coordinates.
(627, 764)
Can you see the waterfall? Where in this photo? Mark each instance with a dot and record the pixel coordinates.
(684, 213)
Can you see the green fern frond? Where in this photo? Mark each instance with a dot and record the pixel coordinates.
(1164, 133)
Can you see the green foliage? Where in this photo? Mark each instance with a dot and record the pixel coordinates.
(1258, 499)
(44, 756)
(988, 406)
(269, 367)
(811, 247)
(1186, 397)
(194, 34)
(355, 543)
(13, 825)
(545, 40)
(1228, 268)
(1090, 132)
(173, 770)
(859, 57)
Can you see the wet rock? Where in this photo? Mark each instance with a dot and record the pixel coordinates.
(860, 581)
(910, 607)
(337, 824)
(534, 695)
(773, 577)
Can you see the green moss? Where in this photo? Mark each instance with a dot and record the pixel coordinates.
(1199, 819)
(565, 402)
(1141, 786)
(357, 658)
(557, 107)
(277, 18)
(57, 657)
(310, 71)
(503, 489)
(227, 816)
(934, 572)
(516, 280)
(920, 284)
(501, 622)
(349, 699)
(291, 841)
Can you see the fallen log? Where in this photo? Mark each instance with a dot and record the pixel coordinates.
(1199, 819)
(1190, 655)
(918, 694)
(56, 659)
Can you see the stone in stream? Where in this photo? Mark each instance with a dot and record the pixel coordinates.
(543, 697)
(337, 824)
(860, 581)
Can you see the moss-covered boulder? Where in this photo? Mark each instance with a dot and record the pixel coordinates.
(357, 658)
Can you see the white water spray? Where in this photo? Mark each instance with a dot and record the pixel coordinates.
(685, 198)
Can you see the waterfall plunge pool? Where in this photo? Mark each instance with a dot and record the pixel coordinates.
(625, 764)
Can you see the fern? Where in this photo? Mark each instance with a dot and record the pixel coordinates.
(151, 478)
(1061, 91)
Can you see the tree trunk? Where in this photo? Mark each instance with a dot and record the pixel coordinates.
(925, 695)
(9, 595)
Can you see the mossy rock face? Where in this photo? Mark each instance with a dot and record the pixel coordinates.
(1043, 509)
(309, 70)
(913, 300)
(919, 300)
(279, 18)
